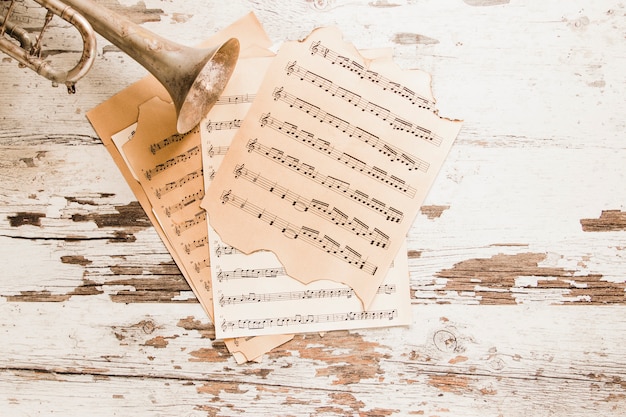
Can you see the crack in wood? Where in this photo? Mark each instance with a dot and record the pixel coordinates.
(87, 288)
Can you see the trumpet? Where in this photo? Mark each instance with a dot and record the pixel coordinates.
(193, 77)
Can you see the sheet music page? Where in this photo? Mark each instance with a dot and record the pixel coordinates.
(252, 293)
(330, 165)
(121, 111)
(169, 168)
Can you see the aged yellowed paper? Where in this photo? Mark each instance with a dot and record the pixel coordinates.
(252, 293)
(330, 164)
(120, 113)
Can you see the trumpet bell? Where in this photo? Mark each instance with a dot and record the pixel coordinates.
(194, 78)
(195, 93)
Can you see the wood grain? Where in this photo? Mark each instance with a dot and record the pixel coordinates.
(517, 257)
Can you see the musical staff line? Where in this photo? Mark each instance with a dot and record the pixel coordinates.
(216, 150)
(354, 67)
(225, 250)
(173, 185)
(338, 186)
(184, 202)
(223, 125)
(394, 153)
(311, 236)
(294, 164)
(319, 208)
(199, 266)
(183, 157)
(185, 225)
(240, 273)
(236, 99)
(395, 121)
(171, 140)
(303, 319)
(196, 244)
(337, 292)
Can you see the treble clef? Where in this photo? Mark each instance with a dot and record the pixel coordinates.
(264, 119)
(209, 126)
(290, 67)
(226, 196)
(277, 93)
(314, 47)
(251, 145)
(238, 170)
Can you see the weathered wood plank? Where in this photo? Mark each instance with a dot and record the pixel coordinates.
(516, 259)
(463, 359)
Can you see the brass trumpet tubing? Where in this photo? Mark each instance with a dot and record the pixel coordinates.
(193, 77)
(28, 57)
(16, 32)
(5, 21)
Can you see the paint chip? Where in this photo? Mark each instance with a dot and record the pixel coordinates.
(405, 38)
(433, 212)
(25, 218)
(609, 221)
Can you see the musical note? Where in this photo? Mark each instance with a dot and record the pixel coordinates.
(224, 250)
(304, 319)
(196, 244)
(314, 206)
(185, 225)
(184, 202)
(354, 67)
(395, 121)
(287, 296)
(309, 171)
(240, 273)
(171, 140)
(173, 185)
(236, 99)
(305, 294)
(223, 125)
(310, 236)
(395, 154)
(347, 137)
(341, 187)
(183, 157)
(200, 265)
(290, 130)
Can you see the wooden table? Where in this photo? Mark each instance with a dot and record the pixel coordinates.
(517, 260)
